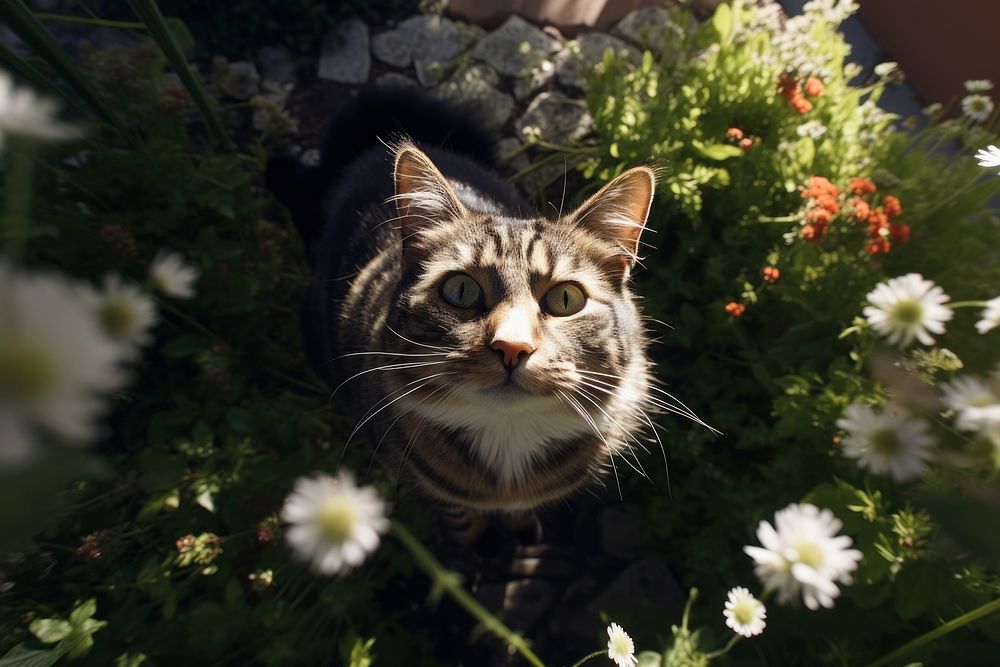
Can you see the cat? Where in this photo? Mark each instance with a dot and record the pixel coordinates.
(494, 356)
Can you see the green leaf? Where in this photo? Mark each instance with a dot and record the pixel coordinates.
(717, 151)
(915, 587)
(649, 659)
(82, 612)
(21, 656)
(179, 30)
(722, 21)
(50, 630)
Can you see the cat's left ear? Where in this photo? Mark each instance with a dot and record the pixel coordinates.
(618, 212)
(423, 197)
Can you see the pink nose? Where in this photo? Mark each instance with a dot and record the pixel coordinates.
(511, 351)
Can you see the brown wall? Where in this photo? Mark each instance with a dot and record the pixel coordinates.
(938, 43)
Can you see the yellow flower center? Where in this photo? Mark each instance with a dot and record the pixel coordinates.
(908, 312)
(335, 520)
(117, 318)
(26, 372)
(744, 611)
(810, 554)
(886, 442)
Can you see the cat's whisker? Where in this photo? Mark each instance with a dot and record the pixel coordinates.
(388, 367)
(639, 470)
(391, 354)
(613, 389)
(590, 421)
(371, 415)
(416, 430)
(682, 410)
(413, 342)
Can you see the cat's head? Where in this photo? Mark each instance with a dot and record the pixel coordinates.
(519, 308)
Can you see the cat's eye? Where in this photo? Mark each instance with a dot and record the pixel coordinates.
(461, 291)
(564, 300)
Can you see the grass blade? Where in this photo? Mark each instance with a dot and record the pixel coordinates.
(23, 70)
(150, 15)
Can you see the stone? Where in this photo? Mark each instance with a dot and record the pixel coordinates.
(522, 602)
(555, 119)
(540, 179)
(396, 79)
(345, 57)
(648, 28)
(311, 157)
(473, 88)
(586, 51)
(571, 620)
(424, 40)
(649, 581)
(237, 80)
(622, 534)
(276, 64)
(511, 151)
(515, 47)
(533, 79)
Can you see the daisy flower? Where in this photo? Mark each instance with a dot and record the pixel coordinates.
(334, 523)
(889, 442)
(620, 647)
(978, 85)
(54, 362)
(24, 114)
(977, 107)
(744, 613)
(908, 307)
(803, 555)
(172, 275)
(991, 314)
(975, 402)
(124, 311)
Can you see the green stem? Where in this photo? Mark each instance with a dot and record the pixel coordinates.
(595, 654)
(967, 304)
(18, 191)
(534, 166)
(940, 631)
(107, 23)
(450, 583)
(724, 650)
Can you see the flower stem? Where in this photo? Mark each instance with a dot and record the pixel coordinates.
(940, 631)
(450, 583)
(595, 654)
(725, 649)
(18, 191)
(967, 304)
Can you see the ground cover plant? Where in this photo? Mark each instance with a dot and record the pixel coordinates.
(829, 281)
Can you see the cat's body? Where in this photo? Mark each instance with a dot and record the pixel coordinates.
(494, 356)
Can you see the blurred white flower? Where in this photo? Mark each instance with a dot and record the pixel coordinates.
(54, 362)
(932, 109)
(172, 275)
(334, 523)
(888, 442)
(124, 311)
(802, 554)
(977, 107)
(620, 647)
(25, 114)
(989, 156)
(744, 613)
(908, 307)
(812, 128)
(976, 403)
(889, 70)
(991, 316)
(978, 85)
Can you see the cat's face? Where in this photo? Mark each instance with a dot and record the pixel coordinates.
(523, 333)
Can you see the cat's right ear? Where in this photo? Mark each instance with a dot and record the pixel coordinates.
(424, 199)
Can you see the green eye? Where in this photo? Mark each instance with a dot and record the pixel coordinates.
(564, 300)
(461, 291)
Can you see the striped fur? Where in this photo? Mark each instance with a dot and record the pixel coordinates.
(420, 374)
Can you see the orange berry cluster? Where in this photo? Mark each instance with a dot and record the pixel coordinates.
(826, 202)
(789, 86)
(744, 142)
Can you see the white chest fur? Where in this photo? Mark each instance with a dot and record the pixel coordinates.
(507, 435)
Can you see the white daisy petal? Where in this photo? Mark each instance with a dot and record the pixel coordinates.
(886, 442)
(621, 649)
(24, 114)
(173, 276)
(991, 314)
(334, 523)
(977, 107)
(907, 307)
(809, 557)
(744, 613)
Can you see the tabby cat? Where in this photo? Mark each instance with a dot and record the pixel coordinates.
(493, 355)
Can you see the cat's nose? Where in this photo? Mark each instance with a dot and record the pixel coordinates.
(511, 352)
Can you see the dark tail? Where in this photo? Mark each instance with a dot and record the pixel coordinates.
(376, 114)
